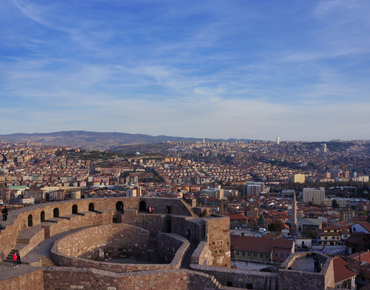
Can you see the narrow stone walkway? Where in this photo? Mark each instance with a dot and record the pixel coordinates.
(186, 262)
(8, 272)
(43, 249)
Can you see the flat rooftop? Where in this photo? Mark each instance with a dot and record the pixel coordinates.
(304, 264)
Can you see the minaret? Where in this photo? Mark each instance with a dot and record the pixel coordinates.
(294, 223)
(325, 148)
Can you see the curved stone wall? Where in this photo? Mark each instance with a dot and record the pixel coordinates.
(108, 238)
(67, 251)
(101, 211)
(146, 280)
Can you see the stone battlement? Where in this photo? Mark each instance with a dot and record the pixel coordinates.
(107, 228)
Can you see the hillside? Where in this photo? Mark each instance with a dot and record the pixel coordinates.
(97, 140)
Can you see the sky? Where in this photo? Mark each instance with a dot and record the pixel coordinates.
(244, 69)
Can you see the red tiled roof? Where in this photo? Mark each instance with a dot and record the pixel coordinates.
(341, 272)
(334, 227)
(330, 234)
(260, 245)
(236, 216)
(364, 257)
(366, 226)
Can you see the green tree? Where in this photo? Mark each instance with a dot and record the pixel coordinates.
(335, 204)
(310, 234)
(277, 225)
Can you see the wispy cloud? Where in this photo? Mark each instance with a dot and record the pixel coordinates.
(216, 69)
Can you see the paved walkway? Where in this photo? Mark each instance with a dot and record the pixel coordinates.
(8, 272)
(43, 249)
(187, 260)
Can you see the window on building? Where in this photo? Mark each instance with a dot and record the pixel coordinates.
(243, 254)
(249, 254)
(275, 254)
(281, 255)
(237, 253)
(255, 255)
(261, 255)
(267, 256)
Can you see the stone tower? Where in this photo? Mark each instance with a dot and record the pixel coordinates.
(294, 224)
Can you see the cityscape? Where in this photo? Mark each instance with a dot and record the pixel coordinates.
(279, 198)
(184, 145)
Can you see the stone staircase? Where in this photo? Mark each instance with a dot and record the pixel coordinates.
(215, 282)
(202, 232)
(153, 255)
(9, 258)
(189, 208)
(46, 261)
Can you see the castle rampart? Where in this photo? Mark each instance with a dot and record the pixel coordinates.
(173, 224)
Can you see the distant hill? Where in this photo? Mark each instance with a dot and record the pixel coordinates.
(98, 140)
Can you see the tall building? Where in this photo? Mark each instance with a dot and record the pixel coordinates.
(294, 224)
(254, 188)
(325, 148)
(298, 178)
(277, 140)
(314, 195)
(214, 192)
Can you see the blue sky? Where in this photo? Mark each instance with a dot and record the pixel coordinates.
(208, 69)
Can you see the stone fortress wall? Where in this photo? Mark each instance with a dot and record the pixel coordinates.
(175, 225)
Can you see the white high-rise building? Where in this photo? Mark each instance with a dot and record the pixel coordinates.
(277, 140)
(325, 148)
(314, 195)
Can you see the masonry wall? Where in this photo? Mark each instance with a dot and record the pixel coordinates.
(218, 238)
(177, 206)
(242, 278)
(18, 219)
(63, 279)
(154, 223)
(184, 226)
(201, 211)
(32, 237)
(61, 224)
(329, 274)
(168, 245)
(300, 280)
(30, 281)
(114, 239)
(173, 206)
(202, 255)
(8, 239)
(72, 250)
